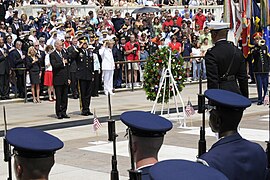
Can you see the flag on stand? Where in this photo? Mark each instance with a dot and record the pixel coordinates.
(189, 109)
(96, 123)
(245, 8)
(255, 24)
(266, 100)
(265, 13)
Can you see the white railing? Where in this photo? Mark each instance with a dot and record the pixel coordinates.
(82, 10)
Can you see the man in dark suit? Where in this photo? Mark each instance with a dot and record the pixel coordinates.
(85, 75)
(235, 157)
(59, 62)
(17, 60)
(225, 63)
(16, 25)
(73, 54)
(146, 135)
(4, 71)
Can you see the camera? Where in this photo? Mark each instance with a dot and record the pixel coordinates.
(134, 51)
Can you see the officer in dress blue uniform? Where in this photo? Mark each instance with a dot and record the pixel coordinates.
(85, 76)
(260, 65)
(147, 132)
(177, 169)
(34, 152)
(234, 156)
(225, 63)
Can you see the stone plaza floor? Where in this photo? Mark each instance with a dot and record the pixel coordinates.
(87, 155)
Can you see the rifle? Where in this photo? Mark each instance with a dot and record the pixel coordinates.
(201, 110)
(112, 137)
(268, 142)
(133, 173)
(7, 149)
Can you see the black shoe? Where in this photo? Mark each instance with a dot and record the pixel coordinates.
(252, 82)
(3, 98)
(7, 97)
(75, 97)
(259, 103)
(65, 116)
(59, 117)
(89, 113)
(84, 114)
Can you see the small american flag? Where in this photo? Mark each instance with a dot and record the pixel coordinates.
(266, 100)
(96, 124)
(189, 109)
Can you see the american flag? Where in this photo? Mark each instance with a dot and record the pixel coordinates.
(96, 124)
(189, 109)
(266, 100)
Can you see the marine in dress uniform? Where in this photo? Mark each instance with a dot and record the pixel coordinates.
(59, 62)
(260, 66)
(147, 132)
(233, 155)
(33, 152)
(225, 63)
(85, 75)
(177, 169)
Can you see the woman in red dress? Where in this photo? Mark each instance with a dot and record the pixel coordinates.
(48, 76)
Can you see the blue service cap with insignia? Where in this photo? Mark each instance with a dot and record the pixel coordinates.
(228, 99)
(146, 124)
(183, 169)
(214, 25)
(33, 143)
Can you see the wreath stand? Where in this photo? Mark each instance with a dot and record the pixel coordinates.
(167, 79)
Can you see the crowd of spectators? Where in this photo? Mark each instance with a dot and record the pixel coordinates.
(113, 2)
(136, 37)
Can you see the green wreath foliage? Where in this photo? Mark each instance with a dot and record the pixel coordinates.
(153, 73)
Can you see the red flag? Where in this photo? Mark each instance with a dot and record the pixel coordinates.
(245, 8)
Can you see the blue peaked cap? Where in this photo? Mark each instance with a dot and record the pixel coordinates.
(146, 124)
(228, 99)
(183, 169)
(33, 143)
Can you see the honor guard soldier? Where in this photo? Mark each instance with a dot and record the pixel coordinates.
(225, 63)
(234, 156)
(33, 152)
(260, 65)
(183, 169)
(85, 75)
(146, 135)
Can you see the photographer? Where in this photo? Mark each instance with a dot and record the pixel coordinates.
(132, 52)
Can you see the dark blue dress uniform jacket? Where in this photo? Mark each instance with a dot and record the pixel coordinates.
(237, 158)
(145, 173)
(85, 67)
(217, 61)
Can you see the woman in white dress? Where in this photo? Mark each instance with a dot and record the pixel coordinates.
(107, 65)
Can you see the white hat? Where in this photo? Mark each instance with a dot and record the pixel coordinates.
(91, 47)
(214, 25)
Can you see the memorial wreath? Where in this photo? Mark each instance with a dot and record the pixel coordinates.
(153, 69)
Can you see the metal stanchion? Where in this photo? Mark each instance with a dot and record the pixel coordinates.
(132, 77)
(25, 87)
